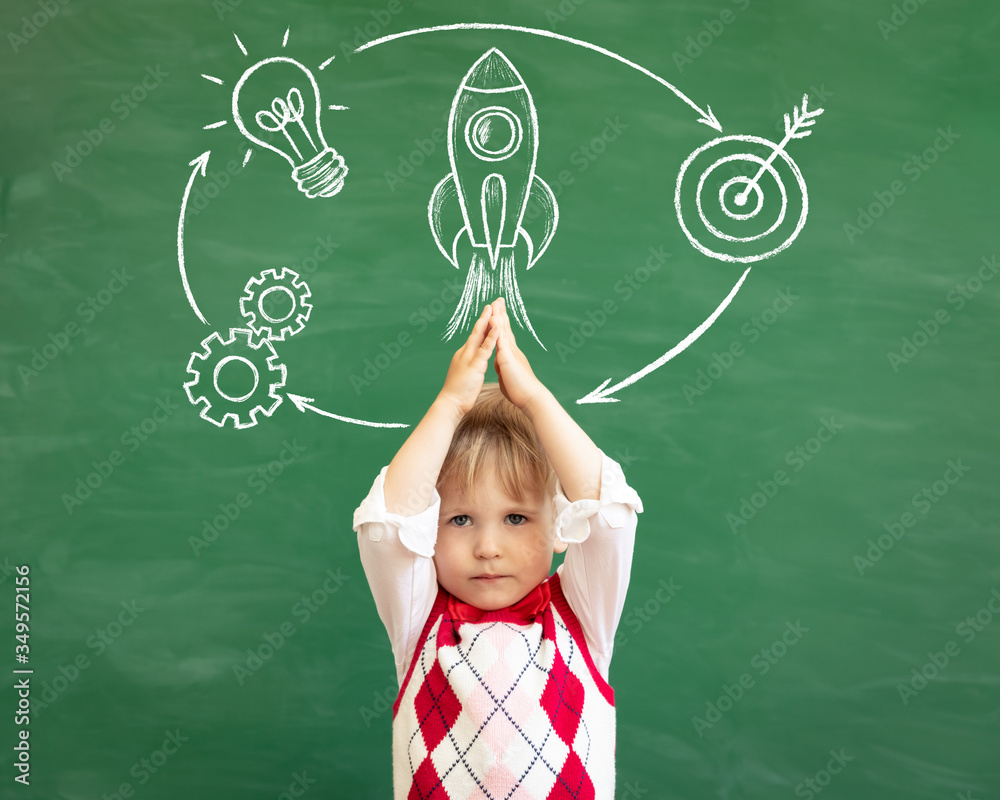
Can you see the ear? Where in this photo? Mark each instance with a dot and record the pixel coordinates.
(558, 545)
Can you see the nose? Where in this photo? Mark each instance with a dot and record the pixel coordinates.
(487, 544)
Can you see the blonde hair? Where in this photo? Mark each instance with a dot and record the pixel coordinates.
(496, 434)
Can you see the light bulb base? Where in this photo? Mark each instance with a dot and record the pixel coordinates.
(322, 176)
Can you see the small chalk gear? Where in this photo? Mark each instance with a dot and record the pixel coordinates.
(252, 304)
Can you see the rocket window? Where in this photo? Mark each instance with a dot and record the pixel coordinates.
(493, 133)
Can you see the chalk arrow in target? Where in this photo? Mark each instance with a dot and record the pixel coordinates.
(200, 164)
(603, 395)
(303, 403)
(728, 222)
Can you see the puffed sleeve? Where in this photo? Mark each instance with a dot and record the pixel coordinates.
(595, 573)
(396, 553)
(418, 533)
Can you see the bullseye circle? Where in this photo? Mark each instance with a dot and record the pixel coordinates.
(750, 209)
(740, 199)
(768, 169)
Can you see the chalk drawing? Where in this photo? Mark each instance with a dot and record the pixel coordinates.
(317, 168)
(493, 150)
(200, 164)
(304, 404)
(242, 361)
(603, 395)
(294, 113)
(259, 294)
(730, 199)
(705, 116)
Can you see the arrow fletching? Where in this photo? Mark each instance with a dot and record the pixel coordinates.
(795, 127)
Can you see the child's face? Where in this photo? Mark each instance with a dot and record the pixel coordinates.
(493, 536)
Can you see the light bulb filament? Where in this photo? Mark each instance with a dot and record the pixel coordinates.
(284, 112)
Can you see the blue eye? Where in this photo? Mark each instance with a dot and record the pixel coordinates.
(459, 517)
(519, 516)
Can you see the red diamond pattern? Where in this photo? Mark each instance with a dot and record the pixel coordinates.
(437, 707)
(573, 781)
(427, 776)
(562, 700)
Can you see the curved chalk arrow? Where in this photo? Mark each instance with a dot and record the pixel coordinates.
(303, 403)
(200, 163)
(707, 117)
(601, 395)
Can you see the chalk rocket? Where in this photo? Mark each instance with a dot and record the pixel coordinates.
(492, 145)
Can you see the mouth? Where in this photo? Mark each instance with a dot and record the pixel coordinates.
(488, 577)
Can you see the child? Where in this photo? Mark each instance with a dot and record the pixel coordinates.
(502, 668)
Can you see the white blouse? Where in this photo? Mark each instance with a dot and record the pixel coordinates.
(396, 553)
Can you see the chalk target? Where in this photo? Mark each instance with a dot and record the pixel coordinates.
(730, 206)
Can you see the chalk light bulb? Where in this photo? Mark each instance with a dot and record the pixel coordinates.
(288, 122)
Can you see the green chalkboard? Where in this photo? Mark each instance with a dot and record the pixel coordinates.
(814, 607)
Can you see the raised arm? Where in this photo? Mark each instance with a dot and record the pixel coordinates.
(574, 456)
(413, 472)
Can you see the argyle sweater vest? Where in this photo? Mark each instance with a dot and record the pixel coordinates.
(501, 708)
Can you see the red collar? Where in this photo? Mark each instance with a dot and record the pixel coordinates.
(523, 611)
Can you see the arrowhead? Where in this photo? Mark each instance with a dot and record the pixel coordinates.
(201, 162)
(710, 119)
(598, 395)
(299, 400)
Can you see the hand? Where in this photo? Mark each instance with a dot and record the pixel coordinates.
(517, 381)
(468, 366)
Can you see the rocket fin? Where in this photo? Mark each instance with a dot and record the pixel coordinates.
(494, 200)
(443, 209)
(543, 224)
